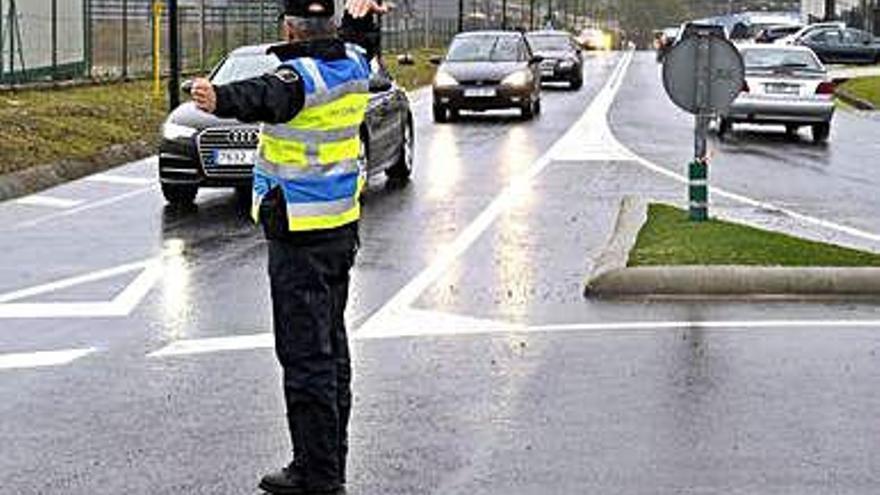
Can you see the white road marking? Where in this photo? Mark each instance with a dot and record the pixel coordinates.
(216, 344)
(384, 318)
(85, 207)
(121, 305)
(47, 201)
(437, 324)
(42, 359)
(119, 179)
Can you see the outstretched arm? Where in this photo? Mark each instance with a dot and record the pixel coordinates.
(272, 98)
(361, 8)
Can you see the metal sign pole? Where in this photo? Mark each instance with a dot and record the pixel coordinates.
(698, 173)
(174, 55)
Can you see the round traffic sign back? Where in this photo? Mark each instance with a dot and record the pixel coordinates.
(724, 73)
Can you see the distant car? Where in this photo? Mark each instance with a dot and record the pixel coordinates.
(563, 60)
(200, 150)
(664, 41)
(593, 39)
(785, 85)
(487, 70)
(843, 46)
(807, 30)
(773, 33)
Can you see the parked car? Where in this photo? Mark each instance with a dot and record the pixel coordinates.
(487, 70)
(809, 29)
(843, 46)
(200, 150)
(563, 60)
(773, 33)
(785, 85)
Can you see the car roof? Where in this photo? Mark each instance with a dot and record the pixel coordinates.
(548, 32)
(476, 34)
(252, 49)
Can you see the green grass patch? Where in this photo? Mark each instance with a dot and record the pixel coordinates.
(46, 126)
(417, 75)
(669, 238)
(865, 88)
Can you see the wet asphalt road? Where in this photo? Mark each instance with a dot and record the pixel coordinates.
(480, 369)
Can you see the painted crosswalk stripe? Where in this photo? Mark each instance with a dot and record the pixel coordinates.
(48, 201)
(119, 179)
(216, 344)
(42, 359)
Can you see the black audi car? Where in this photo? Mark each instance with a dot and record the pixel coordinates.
(200, 150)
(562, 57)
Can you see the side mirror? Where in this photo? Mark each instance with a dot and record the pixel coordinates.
(405, 59)
(187, 86)
(436, 59)
(536, 59)
(379, 84)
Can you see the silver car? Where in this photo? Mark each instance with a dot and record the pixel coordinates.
(785, 85)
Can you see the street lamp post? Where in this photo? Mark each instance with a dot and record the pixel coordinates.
(174, 56)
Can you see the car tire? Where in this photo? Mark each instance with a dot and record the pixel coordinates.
(440, 114)
(403, 167)
(576, 83)
(724, 127)
(180, 194)
(821, 132)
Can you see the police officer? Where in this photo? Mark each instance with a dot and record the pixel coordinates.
(307, 183)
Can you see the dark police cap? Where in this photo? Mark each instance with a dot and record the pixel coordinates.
(307, 8)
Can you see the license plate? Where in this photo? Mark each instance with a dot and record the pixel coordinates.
(782, 89)
(233, 157)
(479, 93)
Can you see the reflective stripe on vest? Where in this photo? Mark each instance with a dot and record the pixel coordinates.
(315, 158)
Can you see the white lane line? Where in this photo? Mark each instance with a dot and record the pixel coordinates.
(216, 344)
(469, 326)
(119, 179)
(42, 359)
(120, 306)
(45, 200)
(404, 298)
(86, 207)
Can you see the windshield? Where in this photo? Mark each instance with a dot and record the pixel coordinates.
(549, 42)
(485, 49)
(774, 59)
(239, 67)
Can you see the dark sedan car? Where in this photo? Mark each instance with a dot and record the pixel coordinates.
(201, 150)
(843, 46)
(563, 60)
(487, 70)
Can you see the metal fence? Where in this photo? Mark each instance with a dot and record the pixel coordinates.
(115, 39)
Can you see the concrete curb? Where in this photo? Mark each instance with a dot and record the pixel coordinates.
(612, 278)
(854, 101)
(38, 178)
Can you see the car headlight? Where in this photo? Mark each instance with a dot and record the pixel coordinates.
(519, 78)
(173, 132)
(444, 80)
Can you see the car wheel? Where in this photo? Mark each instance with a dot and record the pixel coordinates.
(402, 168)
(454, 114)
(180, 194)
(821, 132)
(724, 127)
(577, 83)
(439, 114)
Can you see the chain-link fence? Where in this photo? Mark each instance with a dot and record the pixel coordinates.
(116, 39)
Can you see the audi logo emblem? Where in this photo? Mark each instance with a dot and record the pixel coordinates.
(243, 136)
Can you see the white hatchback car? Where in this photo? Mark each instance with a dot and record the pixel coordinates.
(785, 85)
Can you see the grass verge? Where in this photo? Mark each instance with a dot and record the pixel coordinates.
(417, 75)
(46, 126)
(669, 238)
(865, 88)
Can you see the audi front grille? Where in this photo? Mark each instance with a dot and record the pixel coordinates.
(211, 140)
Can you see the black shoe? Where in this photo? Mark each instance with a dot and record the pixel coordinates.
(289, 481)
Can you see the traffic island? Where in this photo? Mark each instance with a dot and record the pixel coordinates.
(656, 251)
(862, 93)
